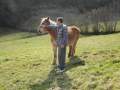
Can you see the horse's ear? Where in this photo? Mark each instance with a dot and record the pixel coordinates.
(48, 18)
(41, 18)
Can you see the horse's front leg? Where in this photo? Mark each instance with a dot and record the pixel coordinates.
(55, 55)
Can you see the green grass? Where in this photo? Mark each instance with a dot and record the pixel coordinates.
(25, 64)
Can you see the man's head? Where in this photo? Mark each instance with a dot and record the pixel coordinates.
(59, 20)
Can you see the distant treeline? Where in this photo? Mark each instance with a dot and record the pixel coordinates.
(14, 12)
(102, 20)
(93, 16)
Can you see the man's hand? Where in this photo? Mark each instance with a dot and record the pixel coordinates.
(62, 46)
(55, 43)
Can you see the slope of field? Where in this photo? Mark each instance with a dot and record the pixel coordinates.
(25, 64)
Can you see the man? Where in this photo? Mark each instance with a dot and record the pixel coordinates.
(62, 38)
(61, 42)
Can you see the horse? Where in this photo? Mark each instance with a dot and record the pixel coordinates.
(73, 37)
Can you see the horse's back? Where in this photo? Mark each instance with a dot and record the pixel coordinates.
(74, 28)
(73, 31)
(73, 34)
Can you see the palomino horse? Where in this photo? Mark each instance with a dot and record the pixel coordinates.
(73, 36)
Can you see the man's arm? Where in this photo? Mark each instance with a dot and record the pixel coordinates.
(52, 27)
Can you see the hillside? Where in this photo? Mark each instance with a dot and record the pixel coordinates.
(25, 64)
(26, 14)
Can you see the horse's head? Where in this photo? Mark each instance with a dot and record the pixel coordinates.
(44, 21)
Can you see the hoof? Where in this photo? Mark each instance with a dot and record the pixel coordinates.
(72, 60)
(68, 55)
(54, 63)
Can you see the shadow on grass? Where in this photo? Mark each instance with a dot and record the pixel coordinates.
(58, 81)
(54, 81)
(77, 62)
(6, 31)
(98, 33)
(84, 35)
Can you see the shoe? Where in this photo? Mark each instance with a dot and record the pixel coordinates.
(60, 71)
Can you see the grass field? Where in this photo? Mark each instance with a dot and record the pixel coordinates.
(25, 64)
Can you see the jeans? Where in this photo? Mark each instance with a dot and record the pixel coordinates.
(61, 57)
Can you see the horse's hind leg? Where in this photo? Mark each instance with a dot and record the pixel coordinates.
(69, 54)
(55, 55)
(73, 51)
(74, 47)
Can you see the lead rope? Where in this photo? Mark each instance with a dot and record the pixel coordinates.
(57, 57)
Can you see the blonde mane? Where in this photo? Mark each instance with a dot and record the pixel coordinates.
(51, 21)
